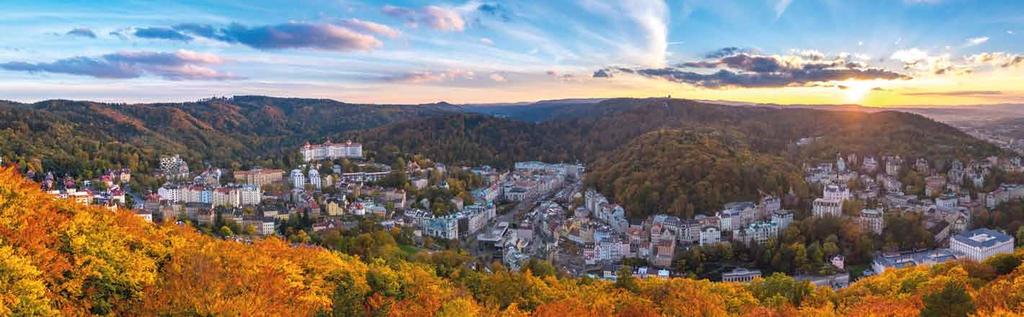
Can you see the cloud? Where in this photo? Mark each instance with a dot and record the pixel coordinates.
(975, 41)
(438, 18)
(82, 32)
(637, 28)
(957, 93)
(496, 10)
(910, 56)
(607, 73)
(371, 27)
(562, 77)
(323, 36)
(999, 59)
(180, 65)
(161, 33)
(726, 51)
(652, 19)
(431, 76)
(486, 41)
(497, 77)
(780, 7)
(918, 60)
(751, 70)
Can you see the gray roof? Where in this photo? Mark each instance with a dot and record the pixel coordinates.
(901, 260)
(982, 238)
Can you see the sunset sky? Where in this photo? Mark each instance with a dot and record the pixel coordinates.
(875, 53)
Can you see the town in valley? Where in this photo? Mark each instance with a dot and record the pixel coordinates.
(545, 211)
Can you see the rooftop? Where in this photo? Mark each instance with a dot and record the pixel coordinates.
(982, 238)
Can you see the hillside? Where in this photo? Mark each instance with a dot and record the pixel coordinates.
(60, 258)
(684, 173)
(85, 137)
(613, 137)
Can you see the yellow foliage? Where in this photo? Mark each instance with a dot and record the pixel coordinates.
(22, 293)
(61, 258)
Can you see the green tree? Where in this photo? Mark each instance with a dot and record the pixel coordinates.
(951, 301)
(1020, 236)
(780, 288)
(225, 231)
(1003, 263)
(625, 279)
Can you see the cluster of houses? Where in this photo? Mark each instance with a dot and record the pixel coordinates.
(946, 204)
(539, 231)
(531, 180)
(606, 236)
(111, 193)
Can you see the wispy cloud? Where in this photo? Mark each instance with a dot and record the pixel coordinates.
(436, 17)
(431, 76)
(957, 93)
(645, 22)
(323, 36)
(82, 32)
(371, 27)
(975, 41)
(180, 65)
(780, 7)
(161, 33)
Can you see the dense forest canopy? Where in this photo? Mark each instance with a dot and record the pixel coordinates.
(684, 173)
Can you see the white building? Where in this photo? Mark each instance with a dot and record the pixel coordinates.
(298, 180)
(782, 218)
(710, 236)
(442, 227)
(947, 201)
(330, 151)
(886, 261)
(872, 220)
(250, 195)
(980, 244)
(836, 192)
(831, 203)
(740, 275)
(759, 232)
(226, 196)
(736, 215)
(263, 227)
(314, 178)
(825, 207)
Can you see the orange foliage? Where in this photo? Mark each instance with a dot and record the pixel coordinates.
(61, 258)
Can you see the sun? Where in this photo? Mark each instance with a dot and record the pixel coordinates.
(855, 91)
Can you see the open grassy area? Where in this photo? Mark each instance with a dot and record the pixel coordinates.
(409, 250)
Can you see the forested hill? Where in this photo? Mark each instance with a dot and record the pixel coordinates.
(686, 173)
(58, 258)
(83, 138)
(585, 132)
(613, 138)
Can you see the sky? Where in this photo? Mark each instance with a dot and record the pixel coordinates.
(874, 53)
